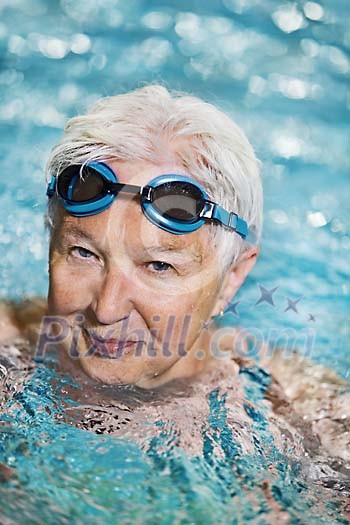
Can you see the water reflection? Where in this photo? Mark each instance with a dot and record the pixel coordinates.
(313, 11)
(288, 18)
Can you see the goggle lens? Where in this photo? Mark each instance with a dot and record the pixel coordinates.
(180, 201)
(80, 188)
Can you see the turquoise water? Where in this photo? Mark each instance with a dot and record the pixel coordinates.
(66, 475)
(282, 71)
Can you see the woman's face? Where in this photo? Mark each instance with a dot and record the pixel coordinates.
(136, 296)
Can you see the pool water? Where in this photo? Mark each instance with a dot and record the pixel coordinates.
(236, 472)
(281, 69)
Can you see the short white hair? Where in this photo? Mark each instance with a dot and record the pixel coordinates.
(152, 124)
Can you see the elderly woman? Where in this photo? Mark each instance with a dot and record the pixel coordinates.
(155, 211)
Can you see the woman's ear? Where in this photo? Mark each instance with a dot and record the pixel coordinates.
(234, 278)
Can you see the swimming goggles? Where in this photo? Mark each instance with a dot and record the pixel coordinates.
(173, 202)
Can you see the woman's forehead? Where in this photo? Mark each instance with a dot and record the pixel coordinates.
(142, 172)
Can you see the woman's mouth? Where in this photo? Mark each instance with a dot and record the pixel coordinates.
(113, 348)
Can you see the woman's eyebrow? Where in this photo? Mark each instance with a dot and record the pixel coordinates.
(77, 232)
(176, 251)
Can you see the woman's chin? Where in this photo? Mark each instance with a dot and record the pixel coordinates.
(103, 370)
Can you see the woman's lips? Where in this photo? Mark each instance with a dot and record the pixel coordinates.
(113, 348)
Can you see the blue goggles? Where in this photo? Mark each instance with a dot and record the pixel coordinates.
(172, 202)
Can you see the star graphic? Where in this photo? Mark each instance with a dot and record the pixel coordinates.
(312, 318)
(232, 308)
(266, 296)
(292, 305)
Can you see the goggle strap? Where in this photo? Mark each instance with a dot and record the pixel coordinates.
(231, 220)
(221, 215)
(241, 227)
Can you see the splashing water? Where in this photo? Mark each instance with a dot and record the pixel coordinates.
(186, 453)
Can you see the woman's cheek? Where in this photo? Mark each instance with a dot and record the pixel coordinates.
(69, 288)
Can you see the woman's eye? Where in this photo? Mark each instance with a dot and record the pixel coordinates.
(159, 266)
(82, 252)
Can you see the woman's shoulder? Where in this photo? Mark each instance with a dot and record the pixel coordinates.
(21, 319)
(230, 343)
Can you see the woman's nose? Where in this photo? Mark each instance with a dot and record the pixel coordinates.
(113, 298)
